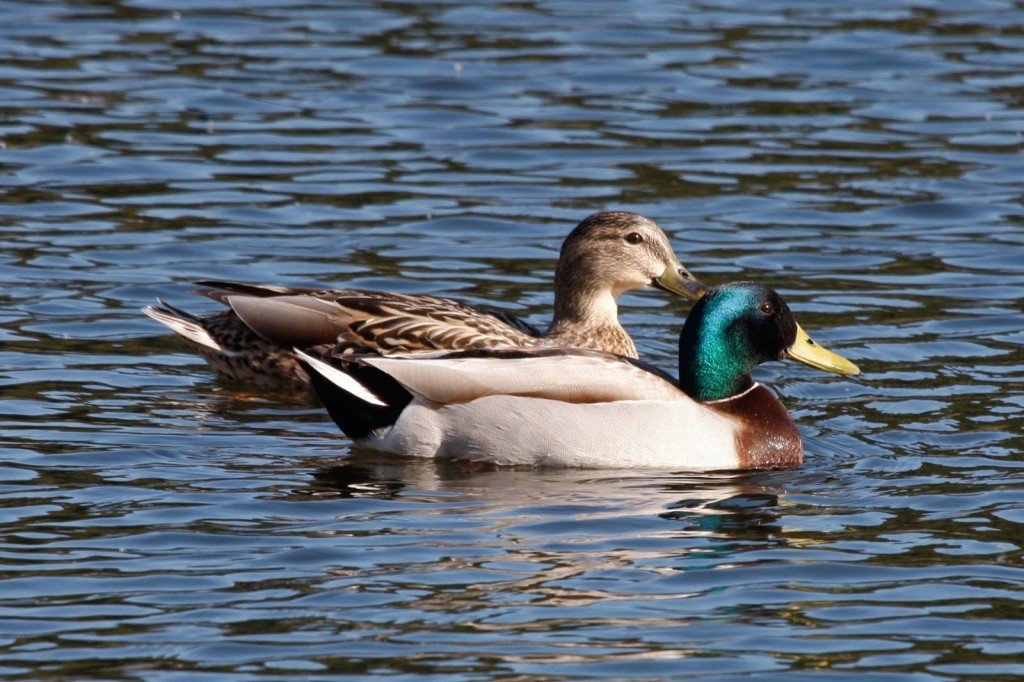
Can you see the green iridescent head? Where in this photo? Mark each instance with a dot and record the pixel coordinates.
(736, 327)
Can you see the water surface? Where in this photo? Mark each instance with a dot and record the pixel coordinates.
(161, 524)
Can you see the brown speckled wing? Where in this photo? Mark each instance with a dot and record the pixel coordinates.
(368, 321)
(389, 323)
(219, 290)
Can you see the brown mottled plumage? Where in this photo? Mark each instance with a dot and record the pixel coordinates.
(606, 255)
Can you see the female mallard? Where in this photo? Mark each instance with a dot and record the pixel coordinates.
(570, 407)
(606, 255)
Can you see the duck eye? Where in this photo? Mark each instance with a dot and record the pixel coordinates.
(767, 308)
(634, 238)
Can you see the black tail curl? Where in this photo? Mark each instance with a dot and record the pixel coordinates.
(357, 418)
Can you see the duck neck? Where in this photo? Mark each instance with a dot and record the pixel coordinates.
(579, 300)
(590, 323)
(590, 308)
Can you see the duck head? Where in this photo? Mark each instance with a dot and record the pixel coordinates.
(736, 327)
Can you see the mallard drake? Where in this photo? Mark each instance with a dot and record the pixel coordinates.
(607, 254)
(583, 408)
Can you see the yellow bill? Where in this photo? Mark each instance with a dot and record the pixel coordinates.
(805, 350)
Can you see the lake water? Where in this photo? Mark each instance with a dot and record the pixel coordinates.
(864, 158)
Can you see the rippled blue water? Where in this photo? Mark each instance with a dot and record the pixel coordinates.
(159, 524)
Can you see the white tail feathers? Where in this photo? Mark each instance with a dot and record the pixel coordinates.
(190, 329)
(340, 379)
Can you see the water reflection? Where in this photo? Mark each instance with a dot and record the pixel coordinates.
(705, 505)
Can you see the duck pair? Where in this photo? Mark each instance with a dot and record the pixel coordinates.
(426, 376)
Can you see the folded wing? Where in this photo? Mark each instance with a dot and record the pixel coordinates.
(566, 375)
